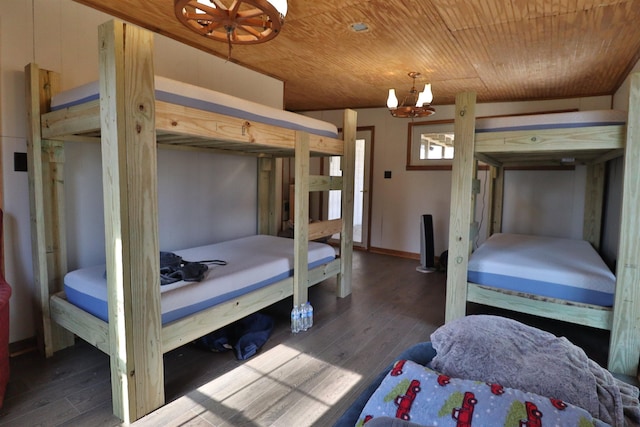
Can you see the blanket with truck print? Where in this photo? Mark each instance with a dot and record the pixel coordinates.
(416, 393)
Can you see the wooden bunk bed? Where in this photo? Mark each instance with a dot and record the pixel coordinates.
(592, 146)
(130, 123)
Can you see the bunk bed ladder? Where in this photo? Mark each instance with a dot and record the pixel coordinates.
(303, 231)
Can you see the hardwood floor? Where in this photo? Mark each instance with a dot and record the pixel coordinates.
(302, 379)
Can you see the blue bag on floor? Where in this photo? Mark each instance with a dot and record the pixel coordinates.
(245, 337)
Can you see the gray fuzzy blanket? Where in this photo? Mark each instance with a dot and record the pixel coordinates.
(497, 349)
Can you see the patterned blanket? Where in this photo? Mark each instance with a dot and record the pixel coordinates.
(415, 393)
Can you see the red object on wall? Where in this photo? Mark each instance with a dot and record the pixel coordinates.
(5, 294)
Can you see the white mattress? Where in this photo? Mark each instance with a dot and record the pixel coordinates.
(188, 95)
(252, 262)
(574, 119)
(546, 266)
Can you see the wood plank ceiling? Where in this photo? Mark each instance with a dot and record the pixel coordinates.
(505, 50)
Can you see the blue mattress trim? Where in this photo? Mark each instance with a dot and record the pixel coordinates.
(548, 126)
(538, 287)
(92, 97)
(99, 308)
(234, 112)
(213, 107)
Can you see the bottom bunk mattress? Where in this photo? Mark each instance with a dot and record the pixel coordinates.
(545, 266)
(252, 262)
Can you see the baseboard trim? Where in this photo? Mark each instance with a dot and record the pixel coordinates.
(23, 346)
(392, 252)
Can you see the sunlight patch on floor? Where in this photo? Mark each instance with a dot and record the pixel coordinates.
(280, 386)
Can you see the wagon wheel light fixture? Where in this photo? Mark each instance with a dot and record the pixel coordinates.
(239, 22)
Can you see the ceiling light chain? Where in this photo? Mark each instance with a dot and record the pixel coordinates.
(229, 31)
(414, 104)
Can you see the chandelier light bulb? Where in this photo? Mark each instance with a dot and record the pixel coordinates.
(428, 95)
(392, 100)
(280, 5)
(421, 100)
(205, 3)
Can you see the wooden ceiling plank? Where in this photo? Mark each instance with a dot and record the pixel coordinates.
(508, 50)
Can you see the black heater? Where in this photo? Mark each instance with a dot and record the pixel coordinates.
(427, 255)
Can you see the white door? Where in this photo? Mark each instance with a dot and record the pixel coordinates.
(362, 195)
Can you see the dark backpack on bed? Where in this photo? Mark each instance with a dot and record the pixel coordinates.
(173, 268)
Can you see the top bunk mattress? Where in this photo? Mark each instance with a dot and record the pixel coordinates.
(573, 119)
(252, 263)
(545, 266)
(188, 95)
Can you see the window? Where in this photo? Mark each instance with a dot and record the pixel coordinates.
(430, 145)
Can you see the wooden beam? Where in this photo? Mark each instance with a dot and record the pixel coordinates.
(487, 159)
(88, 327)
(624, 350)
(55, 229)
(350, 124)
(267, 196)
(63, 124)
(301, 219)
(325, 183)
(593, 202)
(46, 202)
(496, 200)
(129, 161)
(548, 140)
(461, 205)
(187, 329)
(182, 126)
(609, 155)
(326, 228)
(37, 210)
(587, 315)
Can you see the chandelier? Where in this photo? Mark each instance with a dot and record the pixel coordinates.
(415, 104)
(242, 22)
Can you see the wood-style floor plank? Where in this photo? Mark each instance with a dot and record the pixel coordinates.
(296, 379)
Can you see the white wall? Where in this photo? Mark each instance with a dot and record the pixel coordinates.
(199, 201)
(398, 203)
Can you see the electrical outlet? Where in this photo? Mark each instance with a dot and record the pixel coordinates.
(20, 162)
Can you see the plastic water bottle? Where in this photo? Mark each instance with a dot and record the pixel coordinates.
(309, 315)
(304, 314)
(295, 319)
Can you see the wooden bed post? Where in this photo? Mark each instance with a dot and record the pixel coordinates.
(593, 202)
(624, 349)
(461, 205)
(267, 222)
(46, 198)
(301, 220)
(349, 127)
(129, 160)
(496, 199)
